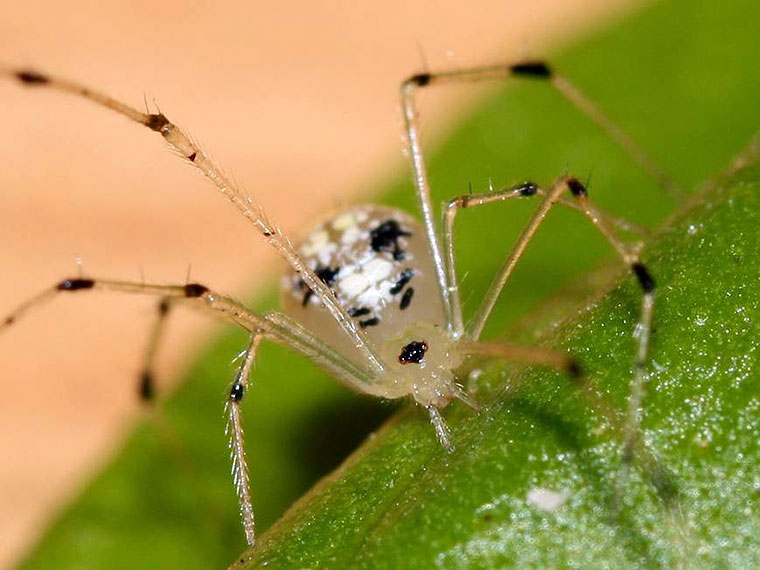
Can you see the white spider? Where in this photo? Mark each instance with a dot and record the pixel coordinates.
(371, 294)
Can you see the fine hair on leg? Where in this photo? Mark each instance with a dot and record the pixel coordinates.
(240, 475)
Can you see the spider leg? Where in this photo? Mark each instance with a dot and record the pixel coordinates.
(537, 70)
(613, 221)
(187, 148)
(441, 429)
(240, 474)
(273, 325)
(747, 155)
(643, 330)
(449, 214)
(528, 354)
(638, 452)
(552, 197)
(524, 189)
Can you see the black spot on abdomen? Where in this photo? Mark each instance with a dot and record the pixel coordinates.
(385, 238)
(406, 298)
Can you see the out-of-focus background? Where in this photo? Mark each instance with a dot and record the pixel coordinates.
(298, 101)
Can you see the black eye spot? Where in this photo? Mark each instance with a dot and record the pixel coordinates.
(413, 352)
(385, 238)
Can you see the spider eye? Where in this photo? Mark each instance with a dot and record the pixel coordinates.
(413, 352)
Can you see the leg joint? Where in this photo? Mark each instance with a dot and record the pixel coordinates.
(459, 202)
(576, 187)
(163, 307)
(531, 69)
(75, 284)
(194, 290)
(418, 80)
(237, 392)
(527, 188)
(32, 78)
(157, 122)
(645, 278)
(146, 389)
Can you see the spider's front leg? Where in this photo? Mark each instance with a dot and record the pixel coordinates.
(187, 148)
(631, 445)
(274, 326)
(240, 475)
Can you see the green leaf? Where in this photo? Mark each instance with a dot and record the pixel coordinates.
(681, 78)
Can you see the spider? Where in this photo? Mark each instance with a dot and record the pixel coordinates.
(371, 294)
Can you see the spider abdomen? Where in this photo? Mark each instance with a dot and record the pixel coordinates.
(376, 261)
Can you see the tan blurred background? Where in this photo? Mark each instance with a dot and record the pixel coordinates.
(298, 101)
